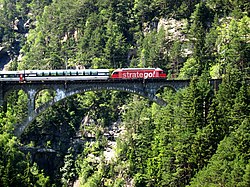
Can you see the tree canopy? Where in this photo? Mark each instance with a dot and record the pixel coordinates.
(201, 138)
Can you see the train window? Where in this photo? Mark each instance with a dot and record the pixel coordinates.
(94, 73)
(9, 75)
(87, 73)
(46, 73)
(115, 73)
(80, 73)
(39, 74)
(53, 73)
(60, 73)
(103, 73)
(32, 75)
(73, 72)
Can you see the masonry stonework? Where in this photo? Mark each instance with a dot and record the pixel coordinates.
(144, 87)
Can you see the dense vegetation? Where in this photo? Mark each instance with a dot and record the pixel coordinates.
(201, 138)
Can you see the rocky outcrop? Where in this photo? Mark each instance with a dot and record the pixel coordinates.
(175, 29)
(4, 57)
(9, 50)
(22, 26)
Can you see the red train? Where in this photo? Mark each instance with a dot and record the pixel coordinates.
(138, 73)
(84, 74)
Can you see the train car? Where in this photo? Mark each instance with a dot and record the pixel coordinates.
(138, 73)
(10, 75)
(54, 75)
(78, 75)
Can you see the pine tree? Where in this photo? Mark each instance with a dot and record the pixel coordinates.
(199, 25)
(229, 166)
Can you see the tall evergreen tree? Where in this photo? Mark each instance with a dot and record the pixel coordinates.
(200, 20)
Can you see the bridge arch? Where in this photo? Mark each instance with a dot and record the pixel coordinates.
(144, 87)
(20, 128)
(11, 90)
(61, 95)
(163, 87)
(40, 94)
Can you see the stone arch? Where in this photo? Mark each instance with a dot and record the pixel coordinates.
(161, 88)
(50, 92)
(145, 88)
(89, 88)
(7, 94)
(61, 94)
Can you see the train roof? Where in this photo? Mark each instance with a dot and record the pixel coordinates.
(134, 69)
(59, 70)
(10, 72)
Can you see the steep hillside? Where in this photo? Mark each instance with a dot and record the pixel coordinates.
(201, 138)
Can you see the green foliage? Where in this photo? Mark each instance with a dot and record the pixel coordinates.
(152, 52)
(90, 166)
(16, 107)
(184, 135)
(68, 170)
(15, 168)
(43, 97)
(227, 7)
(232, 40)
(229, 165)
(91, 39)
(200, 20)
(201, 136)
(190, 69)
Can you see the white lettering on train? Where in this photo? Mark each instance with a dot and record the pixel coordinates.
(145, 75)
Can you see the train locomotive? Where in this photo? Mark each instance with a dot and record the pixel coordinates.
(138, 73)
(83, 74)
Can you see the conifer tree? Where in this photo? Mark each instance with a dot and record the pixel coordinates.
(199, 25)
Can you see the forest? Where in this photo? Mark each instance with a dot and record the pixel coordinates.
(201, 138)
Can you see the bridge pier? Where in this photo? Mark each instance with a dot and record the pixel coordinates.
(31, 99)
(31, 104)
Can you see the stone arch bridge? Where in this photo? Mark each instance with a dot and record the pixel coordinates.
(144, 87)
